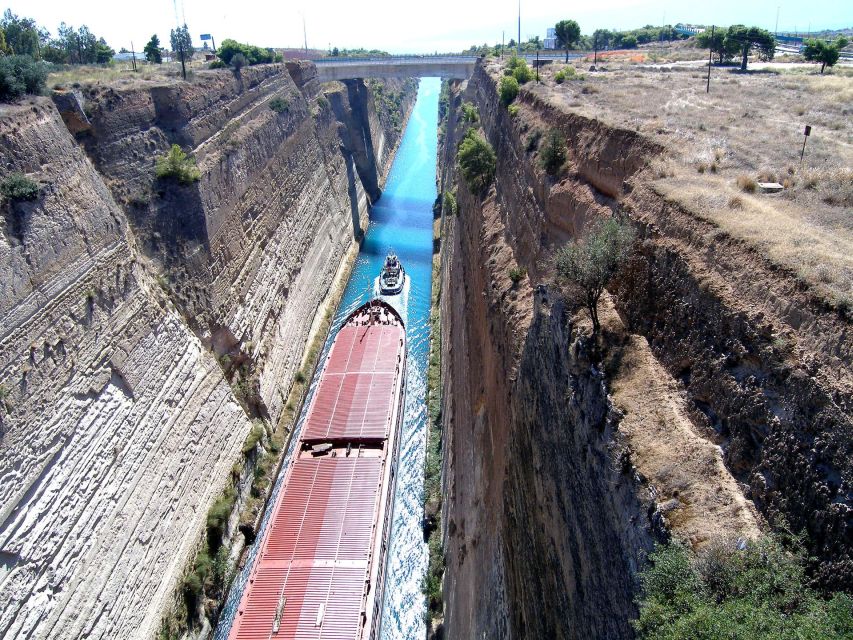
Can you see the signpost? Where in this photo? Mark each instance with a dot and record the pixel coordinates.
(806, 133)
(207, 36)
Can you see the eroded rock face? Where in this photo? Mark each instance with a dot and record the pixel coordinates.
(118, 428)
(543, 531)
(117, 293)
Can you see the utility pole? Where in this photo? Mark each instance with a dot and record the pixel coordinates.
(133, 53)
(537, 65)
(518, 42)
(503, 35)
(595, 49)
(181, 51)
(776, 32)
(305, 35)
(710, 53)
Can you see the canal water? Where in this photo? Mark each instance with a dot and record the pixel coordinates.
(401, 220)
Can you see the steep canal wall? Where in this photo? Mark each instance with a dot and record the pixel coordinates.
(146, 323)
(563, 463)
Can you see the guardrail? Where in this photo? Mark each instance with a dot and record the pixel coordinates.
(438, 58)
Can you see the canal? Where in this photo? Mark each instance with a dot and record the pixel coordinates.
(401, 220)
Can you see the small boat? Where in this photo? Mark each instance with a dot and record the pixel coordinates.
(392, 277)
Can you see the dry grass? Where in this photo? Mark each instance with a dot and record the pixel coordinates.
(120, 74)
(748, 129)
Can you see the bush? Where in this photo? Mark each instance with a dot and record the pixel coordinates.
(20, 75)
(508, 89)
(758, 592)
(470, 113)
(217, 64)
(18, 187)
(566, 73)
(178, 166)
(238, 61)
(513, 110)
(553, 153)
(254, 437)
(279, 105)
(516, 274)
(745, 183)
(522, 73)
(229, 48)
(450, 206)
(476, 161)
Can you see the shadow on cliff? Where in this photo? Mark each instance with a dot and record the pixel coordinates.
(574, 528)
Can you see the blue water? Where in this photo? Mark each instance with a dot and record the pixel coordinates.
(400, 220)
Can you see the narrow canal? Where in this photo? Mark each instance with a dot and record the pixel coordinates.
(401, 220)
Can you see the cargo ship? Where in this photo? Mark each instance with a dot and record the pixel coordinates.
(320, 570)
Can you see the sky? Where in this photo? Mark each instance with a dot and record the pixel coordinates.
(402, 26)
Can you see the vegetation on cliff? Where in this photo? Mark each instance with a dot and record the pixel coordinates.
(178, 166)
(757, 590)
(229, 49)
(17, 187)
(20, 75)
(587, 264)
(476, 161)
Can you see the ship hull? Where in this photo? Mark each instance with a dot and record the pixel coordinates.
(320, 572)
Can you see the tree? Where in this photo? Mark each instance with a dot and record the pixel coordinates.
(103, 52)
(589, 263)
(251, 53)
(182, 42)
(152, 50)
(20, 75)
(746, 38)
(553, 153)
(719, 44)
(568, 32)
(629, 42)
(820, 51)
(22, 35)
(177, 166)
(476, 161)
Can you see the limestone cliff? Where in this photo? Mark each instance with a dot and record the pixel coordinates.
(119, 291)
(723, 396)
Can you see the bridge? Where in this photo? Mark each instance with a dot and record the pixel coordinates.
(414, 66)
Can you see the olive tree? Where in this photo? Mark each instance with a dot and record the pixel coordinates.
(587, 264)
(568, 32)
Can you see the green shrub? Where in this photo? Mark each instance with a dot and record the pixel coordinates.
(229, 48)
(322, 101)
(513, 110)
(178, 166)
(566, 73)
(253, 438)
(522, 73)
(279, 105)
(450, 206)
(20, 75)
(553, 153)
(508, 89)
(217, 64)
(17, 186)
(533, 141)
(516, 274)
(470, 113)
(760, 592)
(476, 161)
(217, 517)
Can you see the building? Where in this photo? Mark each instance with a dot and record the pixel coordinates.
(550, 41)
(688, 29)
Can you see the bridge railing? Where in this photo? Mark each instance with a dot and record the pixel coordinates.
(437, 58)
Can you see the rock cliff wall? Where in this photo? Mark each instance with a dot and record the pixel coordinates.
(119, 292)
(723, 394)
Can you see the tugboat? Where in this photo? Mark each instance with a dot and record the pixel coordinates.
(392, 277)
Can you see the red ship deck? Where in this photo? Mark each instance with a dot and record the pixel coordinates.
(318, 574)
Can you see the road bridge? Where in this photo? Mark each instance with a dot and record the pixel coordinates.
(413, 66)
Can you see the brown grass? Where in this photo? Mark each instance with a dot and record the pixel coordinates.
(749, 128)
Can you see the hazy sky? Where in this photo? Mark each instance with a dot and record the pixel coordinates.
(405, 25)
